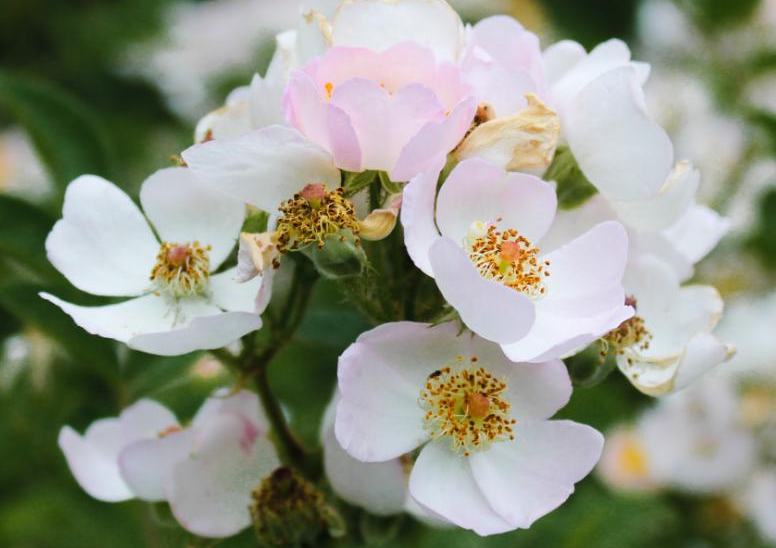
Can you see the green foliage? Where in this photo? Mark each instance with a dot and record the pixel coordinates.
(67, 136)
(574, 188)
(23, 231)
(762, 241)
(719, 14)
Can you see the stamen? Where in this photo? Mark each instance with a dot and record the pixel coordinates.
(464, 403)
(329, 90)
(508, 258)
(629, 339)
(312, 215)
(182, 270)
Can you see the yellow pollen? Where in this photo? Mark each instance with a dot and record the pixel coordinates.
(465, 403)
(182, 270)
(312, 215)
(629, 338)
(632, 459)
(508, 258)
(169, 431)
(329, 90)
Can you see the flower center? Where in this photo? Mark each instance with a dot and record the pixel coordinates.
(466, 405)
(508, 258)
(182, 270)
(631, 337)
(312, 215)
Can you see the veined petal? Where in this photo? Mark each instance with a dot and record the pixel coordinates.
(532, 475)
(621, 150)
(380, 24)
(263, 168)
(417, 215)
(477, 190)
(380, 425)
(494, 311)
(103, 244)
(442, 481)
(183, 210)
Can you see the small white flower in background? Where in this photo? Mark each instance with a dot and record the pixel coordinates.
(758, 501)
(104, 246)
(625, 464)
(488, 265)
(669, 343)
(205, 470)
(490, 460)
(21, 171)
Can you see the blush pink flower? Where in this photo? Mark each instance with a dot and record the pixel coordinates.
(489, 459)
(394, 110)
(480, 240)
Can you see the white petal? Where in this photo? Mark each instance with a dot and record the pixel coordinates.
(665, 208)
(103, 244)
(232, 296)
(96, 472)
(477, 190)
(263, 168)
(560, 58)
(203, 333)
(379, 487)
(381, 376)
(697, 233)
(184, 210)
(623, 152)
(146, 464)
(417, 216)
(145, 419)
(223, 400)
(380, 24)
(529, 477)
(442, 481)
(492, 310)
(210, 493)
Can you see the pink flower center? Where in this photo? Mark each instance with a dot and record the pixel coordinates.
(182, 270)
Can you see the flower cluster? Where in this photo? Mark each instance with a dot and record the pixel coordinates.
(530, 187)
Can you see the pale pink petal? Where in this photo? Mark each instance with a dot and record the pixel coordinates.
(210, 492)
(477, 190)
(492, 310)
(224, 400)
(379, 487)
(433, 140)
(531, 476)
(103, 244)
(146, 464)
(697, 233)
(321, 122)
(375, 425)
(560, 58)
(95, 468)
(442, 482)
(146, 419)
(417, 215)
(183, 210)
(384, 123)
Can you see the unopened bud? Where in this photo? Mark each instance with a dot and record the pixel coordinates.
(288, 510)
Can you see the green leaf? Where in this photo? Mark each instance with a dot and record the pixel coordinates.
(389, 186)
(355, 182)
(762, 241)
(67, 137)
(256, 222)
(23, 301)
(23, 231)
(574, 188)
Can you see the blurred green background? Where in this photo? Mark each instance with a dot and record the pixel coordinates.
(68, 78)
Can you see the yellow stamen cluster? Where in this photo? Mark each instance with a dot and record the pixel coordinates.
(182, 270)
(631, 337)
(465, 403)
(508, 258)
(312, 215)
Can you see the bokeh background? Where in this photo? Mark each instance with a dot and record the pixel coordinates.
(114, 87)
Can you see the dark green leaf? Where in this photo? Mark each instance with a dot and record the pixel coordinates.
(23, 301)
(389, 186)
(574, 189)
(355, 182)
(23, 231)
(256, 223)
(68, 139)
